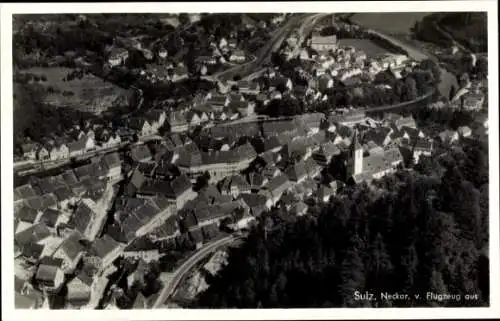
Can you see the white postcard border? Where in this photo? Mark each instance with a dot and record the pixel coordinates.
(8, 312)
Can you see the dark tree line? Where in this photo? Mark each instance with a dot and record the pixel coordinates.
(424, 233)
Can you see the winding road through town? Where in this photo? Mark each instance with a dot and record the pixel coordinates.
(176, 277)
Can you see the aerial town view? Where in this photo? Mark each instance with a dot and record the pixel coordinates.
(250, 160)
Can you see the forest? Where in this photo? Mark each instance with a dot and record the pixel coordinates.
(467, 28)
(418, 231)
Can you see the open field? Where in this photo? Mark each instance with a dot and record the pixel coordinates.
(389, 22)
(369, 47)
(89, 93)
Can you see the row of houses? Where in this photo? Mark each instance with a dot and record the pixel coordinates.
(76, 142)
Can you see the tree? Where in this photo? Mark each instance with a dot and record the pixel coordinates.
(409, 264)
(482, 68)
(379, 266)
(452, 93)
(428, 64)
(410, 89)
(437, 286)
(184, 18)
(405, 240)
(352, 273)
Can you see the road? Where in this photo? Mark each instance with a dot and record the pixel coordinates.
(179, 274)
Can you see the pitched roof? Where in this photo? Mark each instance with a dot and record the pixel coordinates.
(236, 105)
(70, 177)
(46, 273)
(296, 171)
(29, 147)
(406, 121)
(136, 181)
(143, 243)
(171, 189)
(210, 231)
(50, 217)
(379, 162)
(133, 219)
(82, 217)
(24, 191)
(49, 184)
(111, 160)
(253, 200)
(188, 219)
(140, 152)
(63, 193)
(154, 114)
(311, 167)
(35, 203)
(277, 127)
(27, 214)
(271, 143)
(78, 144)
(140, 302)
(103, 246)
(423, 144)
(324, 190)
(256, 180)
(328, 40)
(240, 153)
(137, 123)
(234, 180)
(329, 149)
(277, 183)
(311, 119)
(196, 235)
(33, 251)
(377, 135)
(71, 245)
(32, 234)
(48, 200)
(168, 228)
(84, 171)
(235, 130)
(217, 211)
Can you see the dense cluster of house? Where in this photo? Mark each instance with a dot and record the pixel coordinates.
(58, 223)
(327, 59)
(64, 220)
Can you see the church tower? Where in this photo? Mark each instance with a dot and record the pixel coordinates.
(355, 162)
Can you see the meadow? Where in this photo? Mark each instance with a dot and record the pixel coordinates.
(371, 49)
(394, 23)
(88, 93)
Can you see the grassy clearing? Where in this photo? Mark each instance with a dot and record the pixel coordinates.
(89, 93)
(389, 22)
(369, 47)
